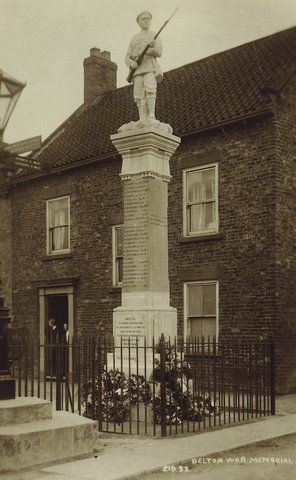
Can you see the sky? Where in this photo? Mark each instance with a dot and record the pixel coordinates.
(44, 42)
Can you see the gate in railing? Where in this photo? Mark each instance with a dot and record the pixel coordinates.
(165, 388)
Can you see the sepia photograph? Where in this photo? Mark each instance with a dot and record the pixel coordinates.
(147, 239)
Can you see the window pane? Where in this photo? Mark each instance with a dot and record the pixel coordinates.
(117, 238)
(53, 214)
(4, 90)
(196, 327)
(194, 187)
(63, 203)
(196, 218)
(65, 239)
(202, 217)
(59, 238)
(209, 327)
(210, 215)
(209, 299)
(119, 241)
(195, 300)
(201, 185)
(119, 271)
(203, 327)
(55, 239)
(208, 177)
(3, 107)
(59, 212)
(63, 211)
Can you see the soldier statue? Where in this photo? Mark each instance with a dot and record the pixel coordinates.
(146, 73)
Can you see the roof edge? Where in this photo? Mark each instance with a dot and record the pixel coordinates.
(230, 121)
(61, 168)
(114, 154)
(59, 130)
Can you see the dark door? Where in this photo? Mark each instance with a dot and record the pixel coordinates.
(57, 309)
(55, 330)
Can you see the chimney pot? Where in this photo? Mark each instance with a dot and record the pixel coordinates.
(95, 52)
(106, 55)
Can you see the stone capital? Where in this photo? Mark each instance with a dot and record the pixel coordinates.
(145, 150)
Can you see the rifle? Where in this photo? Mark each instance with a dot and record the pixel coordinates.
(143, 53)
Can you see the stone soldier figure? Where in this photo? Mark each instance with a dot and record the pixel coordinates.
(148, 73)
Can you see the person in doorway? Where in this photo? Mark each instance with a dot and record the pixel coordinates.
(65, 341)
(52, 349)
(65, 333)
(52, 331)
(148, 73)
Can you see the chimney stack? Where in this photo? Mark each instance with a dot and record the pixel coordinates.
(99, 74)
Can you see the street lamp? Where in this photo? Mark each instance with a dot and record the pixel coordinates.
(10, 90)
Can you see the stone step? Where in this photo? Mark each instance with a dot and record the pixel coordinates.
(23, 410)
(63, 437)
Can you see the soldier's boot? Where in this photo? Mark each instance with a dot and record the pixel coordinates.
(139, 105)
(151, 107)
(144, 108)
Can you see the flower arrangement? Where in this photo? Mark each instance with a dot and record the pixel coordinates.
(114, 405)
(139, 389)
(180, 403)
(117, 394)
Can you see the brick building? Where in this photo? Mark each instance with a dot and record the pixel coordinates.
(232, 199)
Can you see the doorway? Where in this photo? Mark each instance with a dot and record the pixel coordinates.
(56, 329)
(55, 302)
(57, 311)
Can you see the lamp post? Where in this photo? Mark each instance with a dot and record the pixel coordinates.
(10, 90)
(7, 383)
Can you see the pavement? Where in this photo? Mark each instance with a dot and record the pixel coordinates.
(123, 457)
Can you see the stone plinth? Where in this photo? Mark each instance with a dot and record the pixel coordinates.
(30, 434)
(145, 312)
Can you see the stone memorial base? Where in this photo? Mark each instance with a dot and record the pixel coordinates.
(30, 434)
(149, 323)
(142, 328)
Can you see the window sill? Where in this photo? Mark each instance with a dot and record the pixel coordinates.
(58, 256)
(116, 289)
(201, 238)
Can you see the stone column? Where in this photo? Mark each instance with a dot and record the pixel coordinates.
(145, 311)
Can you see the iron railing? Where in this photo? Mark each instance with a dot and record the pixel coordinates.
(165, 388)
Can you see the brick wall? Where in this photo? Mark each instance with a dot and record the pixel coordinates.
(242, 258)
(5, 248)
(243, 255)
(285, 229)
(96, 204)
